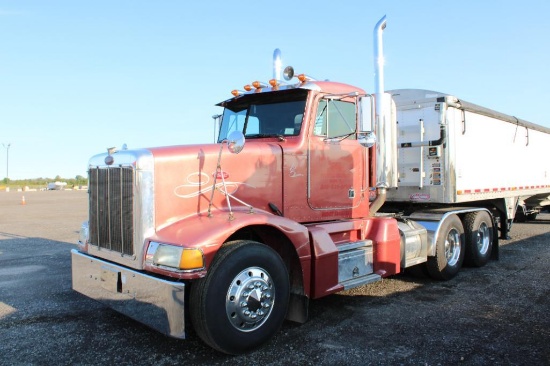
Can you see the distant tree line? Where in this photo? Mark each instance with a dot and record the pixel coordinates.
(43, 182)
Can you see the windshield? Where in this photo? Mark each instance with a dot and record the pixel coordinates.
(264, 114)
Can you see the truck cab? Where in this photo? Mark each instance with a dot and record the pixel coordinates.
(321, 171)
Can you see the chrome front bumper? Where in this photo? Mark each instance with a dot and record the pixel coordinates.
(149, 300)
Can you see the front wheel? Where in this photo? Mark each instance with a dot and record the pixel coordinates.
(243, 300)
(449, 250)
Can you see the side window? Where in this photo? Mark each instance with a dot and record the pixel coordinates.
(335, 118)
(320, 128)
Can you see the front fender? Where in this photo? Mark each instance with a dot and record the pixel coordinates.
(209, 233)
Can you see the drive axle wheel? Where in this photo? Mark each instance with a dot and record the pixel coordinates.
(478, 228)
(242, 301)
(449, 250)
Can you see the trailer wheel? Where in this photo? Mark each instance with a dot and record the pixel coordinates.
(478, 229)
(243, 300)
(449, 251)
(520, 216)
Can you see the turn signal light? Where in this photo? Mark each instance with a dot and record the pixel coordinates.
(191, 259)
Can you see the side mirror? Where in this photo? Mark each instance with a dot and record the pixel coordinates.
(366, 113)
(235, 142)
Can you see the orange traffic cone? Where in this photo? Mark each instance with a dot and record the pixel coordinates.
(23, 202)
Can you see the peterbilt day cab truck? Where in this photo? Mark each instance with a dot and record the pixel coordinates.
(313, 187)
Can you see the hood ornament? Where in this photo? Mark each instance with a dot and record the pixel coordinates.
(109, 159)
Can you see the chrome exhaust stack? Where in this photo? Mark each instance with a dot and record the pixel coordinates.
(277, 65)
(379, 64)
(385, 129)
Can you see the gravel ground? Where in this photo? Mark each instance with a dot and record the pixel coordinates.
(497, 315)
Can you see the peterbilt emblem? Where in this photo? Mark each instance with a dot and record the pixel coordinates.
(109, 159)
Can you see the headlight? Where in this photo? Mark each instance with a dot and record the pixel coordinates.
(174, 257)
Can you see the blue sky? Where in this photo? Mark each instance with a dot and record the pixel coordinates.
(77, 77)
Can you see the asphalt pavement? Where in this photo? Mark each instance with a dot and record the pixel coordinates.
(495, 315)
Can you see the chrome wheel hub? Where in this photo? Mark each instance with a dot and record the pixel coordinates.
(452, 247)
(483, 238)
(250, 298)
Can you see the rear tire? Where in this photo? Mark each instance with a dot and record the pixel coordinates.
(478, 230)
(418, 271)
(243, 300)
(449, 250)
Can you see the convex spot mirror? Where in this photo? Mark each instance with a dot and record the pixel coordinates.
(366, 139)
(288, 73)
(235, 142)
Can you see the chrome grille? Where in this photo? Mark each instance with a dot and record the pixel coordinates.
(111, 208)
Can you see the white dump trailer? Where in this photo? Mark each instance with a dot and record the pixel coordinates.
(454, 154)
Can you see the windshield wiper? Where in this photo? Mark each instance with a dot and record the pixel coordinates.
(259, 135)
(341, 137)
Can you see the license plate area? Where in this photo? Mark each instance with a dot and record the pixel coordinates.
(110, 280)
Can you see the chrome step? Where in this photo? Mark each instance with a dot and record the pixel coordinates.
(354, 245)
(360, 281)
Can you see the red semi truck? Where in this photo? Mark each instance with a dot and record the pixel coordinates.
(327, 194)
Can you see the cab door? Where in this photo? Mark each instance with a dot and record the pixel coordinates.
(336, 161)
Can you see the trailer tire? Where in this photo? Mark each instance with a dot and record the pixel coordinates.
(478, 230)
(449, 250)
(243, 300)
(520, 216)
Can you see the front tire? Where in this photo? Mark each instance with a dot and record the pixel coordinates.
(243, 300)
(478, 229)
(449, 251)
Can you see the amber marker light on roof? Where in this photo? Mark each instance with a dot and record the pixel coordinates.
(247, 87)
(235, 92)
(302, 78)
(273, 82)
